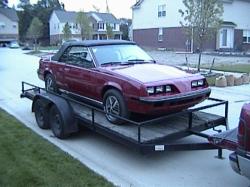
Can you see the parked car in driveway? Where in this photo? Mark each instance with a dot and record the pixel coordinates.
(122, 77)
(13, 45)
(238, 141)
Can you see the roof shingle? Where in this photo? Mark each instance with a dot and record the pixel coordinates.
(9, 13)
(70, 16)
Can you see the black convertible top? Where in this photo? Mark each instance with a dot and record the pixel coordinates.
(89, 43)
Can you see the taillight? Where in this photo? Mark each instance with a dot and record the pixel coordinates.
(244, 128)
(241, 134)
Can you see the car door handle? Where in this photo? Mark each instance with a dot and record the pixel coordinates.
(66, 69)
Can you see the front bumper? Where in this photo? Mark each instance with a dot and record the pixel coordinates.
(177, 97)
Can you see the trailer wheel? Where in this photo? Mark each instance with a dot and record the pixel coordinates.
(57, 123)
(41, 114)
(114, 103)
(50, 83)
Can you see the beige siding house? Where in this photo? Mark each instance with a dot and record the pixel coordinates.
(98, 20)
(8, 25)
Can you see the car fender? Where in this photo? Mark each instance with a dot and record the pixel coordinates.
(63, 106)
(108, 85)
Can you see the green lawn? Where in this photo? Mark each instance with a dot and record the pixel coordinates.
(26, 159)
(49, 48)
(239, 68)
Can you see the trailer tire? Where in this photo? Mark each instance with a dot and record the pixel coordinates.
(50, 83)
(110, 96)
(41, 114)
(57, 123)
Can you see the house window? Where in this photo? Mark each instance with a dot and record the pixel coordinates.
(246, 36)
(2, 25)
(114, 26)
(160, 35)
(14, 26)
(101, 26)
(224, 37)
(161, 10)
(55, 26)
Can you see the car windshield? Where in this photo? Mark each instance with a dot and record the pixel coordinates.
(120, 54)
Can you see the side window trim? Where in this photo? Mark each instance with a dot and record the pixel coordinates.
(83, 49)
(66, 51)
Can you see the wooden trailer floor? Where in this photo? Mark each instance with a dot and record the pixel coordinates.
(170, 127)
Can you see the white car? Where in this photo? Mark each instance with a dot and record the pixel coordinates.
(14, 45)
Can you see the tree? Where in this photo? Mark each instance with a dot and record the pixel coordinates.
(3, 3)
(23, 3)
(84, 25)
(202, 19)
(109, 30)
(66, 32)
(42, 10)
(35, 30)
(125, 27)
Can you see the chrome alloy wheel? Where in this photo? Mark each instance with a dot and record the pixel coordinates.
(49, 84)
(112, 106)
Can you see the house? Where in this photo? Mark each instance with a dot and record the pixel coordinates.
(59, 18)
(157, 24)
(8, 25)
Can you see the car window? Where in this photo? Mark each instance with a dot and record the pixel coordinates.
(119, 53)
(79, 56)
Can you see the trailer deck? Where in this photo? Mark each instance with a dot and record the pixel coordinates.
(156, 134)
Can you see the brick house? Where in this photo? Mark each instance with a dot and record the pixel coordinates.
(8, 25)
(157, 24)
(59, 18)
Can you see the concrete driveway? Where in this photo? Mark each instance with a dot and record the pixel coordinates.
(115, 162)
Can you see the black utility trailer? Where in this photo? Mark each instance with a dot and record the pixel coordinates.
(63, 114)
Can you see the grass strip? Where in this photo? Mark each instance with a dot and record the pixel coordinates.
(26, 159)
(236, 68)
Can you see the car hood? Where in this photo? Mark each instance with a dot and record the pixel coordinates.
(147, 73)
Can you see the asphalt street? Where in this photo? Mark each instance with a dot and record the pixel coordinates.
(115, 162)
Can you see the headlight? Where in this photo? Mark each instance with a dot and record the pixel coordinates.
(168, 89)
(194, 84)
(159, 89)
(150, 90)
(198, 83)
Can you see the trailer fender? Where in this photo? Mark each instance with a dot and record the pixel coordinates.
(63, 106)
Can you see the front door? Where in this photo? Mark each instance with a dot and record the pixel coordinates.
(226, 38)
(78, 70)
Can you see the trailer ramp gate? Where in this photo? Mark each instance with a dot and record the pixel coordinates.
(157, 134)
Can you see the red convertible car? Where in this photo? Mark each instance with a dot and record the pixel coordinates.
(122, 78)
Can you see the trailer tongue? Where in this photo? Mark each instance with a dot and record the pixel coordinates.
(63, 113)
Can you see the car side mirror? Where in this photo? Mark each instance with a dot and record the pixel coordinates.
(63, 58)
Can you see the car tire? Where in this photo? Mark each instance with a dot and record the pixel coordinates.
(57, 123)
(41, 114)
(50, 83)
(114, 103)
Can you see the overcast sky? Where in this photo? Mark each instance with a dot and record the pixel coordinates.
(120, 8)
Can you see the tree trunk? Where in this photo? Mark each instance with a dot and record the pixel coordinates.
(35, 44)
(199, 61)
